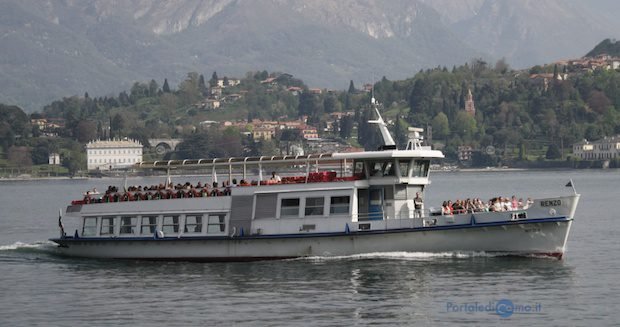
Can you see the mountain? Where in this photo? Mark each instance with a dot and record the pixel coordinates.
(608, 47)
(52, 48)
(530, 32)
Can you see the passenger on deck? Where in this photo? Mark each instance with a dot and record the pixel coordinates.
(482, 206)
(446, 209)
(469, 206)
(528, 203)
(506, 205)
(275, 178)
(497, 204)
(514, 203)
(457, 207)
(91, 192)
(418, 204)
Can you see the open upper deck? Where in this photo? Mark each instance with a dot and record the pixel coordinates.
(375, 167)
(312, 159)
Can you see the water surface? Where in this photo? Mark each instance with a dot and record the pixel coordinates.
(40, 288)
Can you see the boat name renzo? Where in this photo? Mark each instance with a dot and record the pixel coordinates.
(550, 203)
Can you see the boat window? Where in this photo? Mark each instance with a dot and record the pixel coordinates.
(289, 208)
(171, 224)
(90, 226)
(266, 205)
(149, 225)
(107, 226)
(358, 170)
(216, 224)
(375, 169)
(314, 206)
(128, 224)
(376, 197)
(382, 168)
(193, 224)
(403, 166)
(388, 193)
(400, 192)
(389, 169)
(420, 168)
(339, 205)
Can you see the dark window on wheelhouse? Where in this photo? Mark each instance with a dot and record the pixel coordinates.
(403, 166)
(358, 170)
(381, 168)
(420, 168)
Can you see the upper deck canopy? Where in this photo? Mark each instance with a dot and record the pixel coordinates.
(420, 153)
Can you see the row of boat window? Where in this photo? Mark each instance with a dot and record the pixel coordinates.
(314, 206)
(402, 168)
(150, 224)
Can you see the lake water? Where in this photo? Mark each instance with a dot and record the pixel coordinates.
(39, 288)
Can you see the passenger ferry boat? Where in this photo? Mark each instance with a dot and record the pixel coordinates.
(338, 204)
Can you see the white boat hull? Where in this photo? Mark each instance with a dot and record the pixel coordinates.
(539, 237)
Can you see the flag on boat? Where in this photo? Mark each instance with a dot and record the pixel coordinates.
(60, 225)
(571, 185)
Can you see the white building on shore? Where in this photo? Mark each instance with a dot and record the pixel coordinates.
(113, 154)
(604, 149)
(54, 159)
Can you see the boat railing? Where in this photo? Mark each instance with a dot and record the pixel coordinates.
(163, 194)
(382, 215)
(168, 193)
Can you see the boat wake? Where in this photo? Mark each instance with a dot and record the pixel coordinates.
(413, 256)
(43, 246)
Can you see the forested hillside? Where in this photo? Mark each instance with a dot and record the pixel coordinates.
(522, 115)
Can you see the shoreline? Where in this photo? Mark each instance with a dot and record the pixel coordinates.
(449, 170)
(19, 179)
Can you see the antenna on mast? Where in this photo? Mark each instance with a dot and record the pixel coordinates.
(388, 141)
